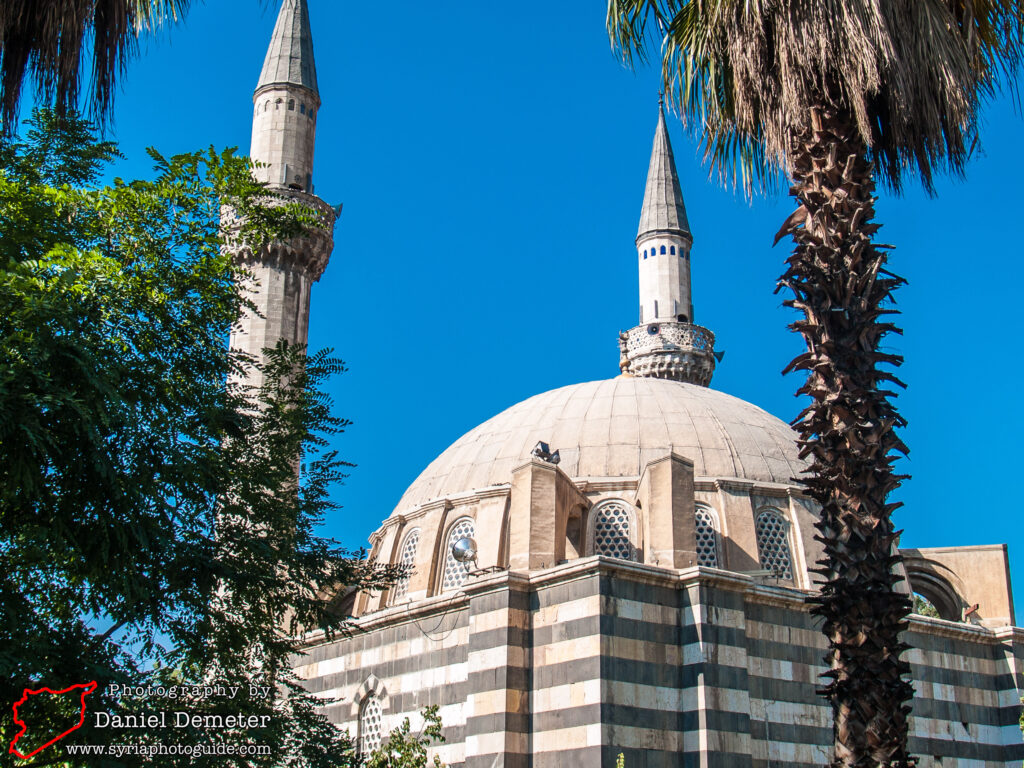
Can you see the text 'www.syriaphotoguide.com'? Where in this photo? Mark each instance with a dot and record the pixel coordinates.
(153, 750)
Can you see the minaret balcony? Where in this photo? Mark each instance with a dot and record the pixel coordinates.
(308, 252)
(669, 349)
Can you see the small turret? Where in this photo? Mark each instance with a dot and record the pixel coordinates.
(286, 103)
(666, 344)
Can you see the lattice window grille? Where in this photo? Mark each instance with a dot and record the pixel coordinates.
(612, 531)
(773, 544)
(407, 558)
(371, 729)
(455, 573)
(707, 539)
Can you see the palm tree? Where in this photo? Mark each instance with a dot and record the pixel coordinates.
(838, 94)
(44, 39)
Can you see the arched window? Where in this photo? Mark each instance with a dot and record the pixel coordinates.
(455, 573)
(672, 250)
(645, 253)
(611, 530)
(663, 249)
(370, 725)
(772, 530)
(707, 537)
(291, 105)
(406, 558)
(302, 109)
(277, 104)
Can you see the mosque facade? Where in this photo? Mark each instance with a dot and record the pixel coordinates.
(641, 550)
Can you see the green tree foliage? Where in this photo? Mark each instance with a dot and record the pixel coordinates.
(924, 607)
(151, 527)
(405, 749)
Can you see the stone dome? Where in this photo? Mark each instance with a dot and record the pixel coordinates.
(611, 429)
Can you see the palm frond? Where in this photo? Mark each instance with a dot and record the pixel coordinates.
(152, 13)
(45, 41)
(912, 74)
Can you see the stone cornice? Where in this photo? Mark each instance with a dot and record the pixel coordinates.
(759, 487)
(606, 484)
(754, 591)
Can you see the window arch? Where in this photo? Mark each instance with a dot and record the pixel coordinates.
(773, 546)
(672, 250)
(663, 249)
(707, 537)
(455, 573)
(371, 725)
(612, 528)
(406, 557)
(291, 105)
(936, 590)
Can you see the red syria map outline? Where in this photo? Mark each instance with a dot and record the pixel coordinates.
(87, 688)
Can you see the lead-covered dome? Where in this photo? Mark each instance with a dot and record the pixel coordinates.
(613, 428)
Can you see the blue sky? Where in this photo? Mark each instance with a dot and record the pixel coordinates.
(492, 166)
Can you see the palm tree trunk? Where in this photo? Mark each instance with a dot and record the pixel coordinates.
(840, 285)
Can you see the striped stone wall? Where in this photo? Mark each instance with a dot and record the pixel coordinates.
(572, 665)
(413, 658)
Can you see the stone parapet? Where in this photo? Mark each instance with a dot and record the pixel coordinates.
(669, 350)
(308, 252)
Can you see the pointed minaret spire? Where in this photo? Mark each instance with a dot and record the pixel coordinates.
(290, 56)
(287, 100)
(663, 211)
(666, 344)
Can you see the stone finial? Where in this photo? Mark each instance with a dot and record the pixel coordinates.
(623, 352)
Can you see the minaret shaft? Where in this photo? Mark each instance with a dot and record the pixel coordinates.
(286, 103)
(284, 136)
(664, 267)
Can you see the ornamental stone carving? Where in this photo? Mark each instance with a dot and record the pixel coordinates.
(669, 350)
(308, 252)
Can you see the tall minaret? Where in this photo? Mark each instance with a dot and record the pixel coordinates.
(666, 344)
(286, 101)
